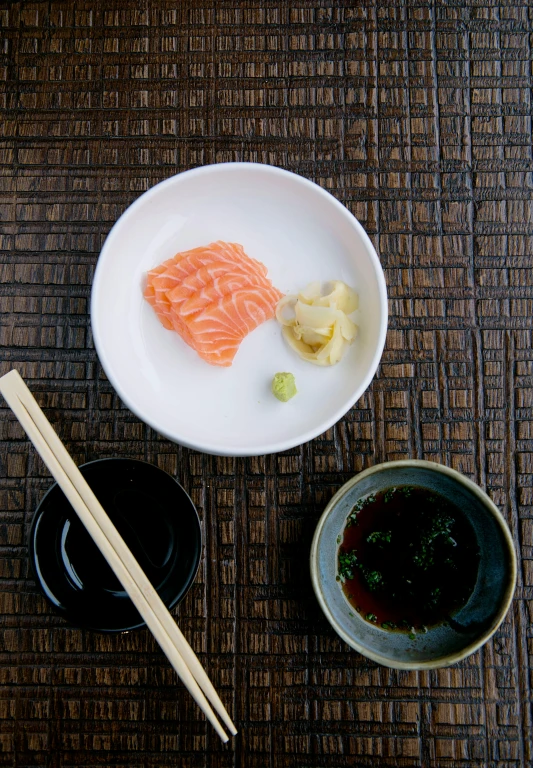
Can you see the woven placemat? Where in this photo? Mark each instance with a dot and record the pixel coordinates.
(417, 116)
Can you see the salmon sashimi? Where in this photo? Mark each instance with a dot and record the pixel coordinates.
(213, 297)
(149, 293)
(197, 282)
(174, 271)
(157, 299)
(220, 328)
(228, 253)
(237, 313)
(192, 296)
(155, 272)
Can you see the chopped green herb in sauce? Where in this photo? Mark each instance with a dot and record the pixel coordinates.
(347, 561)
(408, 559)
(373, 579)
(379, 536)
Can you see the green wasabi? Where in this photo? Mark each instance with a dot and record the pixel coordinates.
(283, 386)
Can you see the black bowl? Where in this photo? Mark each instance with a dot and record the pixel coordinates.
(158, 522)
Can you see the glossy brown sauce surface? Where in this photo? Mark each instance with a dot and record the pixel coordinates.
(408, 558)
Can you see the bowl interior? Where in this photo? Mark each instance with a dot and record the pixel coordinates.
(443, 644)
(158, 522)
(301, 233)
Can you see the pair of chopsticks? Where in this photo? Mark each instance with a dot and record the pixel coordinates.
(114, 549)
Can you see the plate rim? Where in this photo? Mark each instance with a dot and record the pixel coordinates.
(270, 447)
(66, 614)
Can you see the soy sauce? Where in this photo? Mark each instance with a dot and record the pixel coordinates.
(408, 558)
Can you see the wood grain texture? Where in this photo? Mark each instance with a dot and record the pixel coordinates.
(417, 116)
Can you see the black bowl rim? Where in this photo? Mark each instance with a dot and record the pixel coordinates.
(65, 614)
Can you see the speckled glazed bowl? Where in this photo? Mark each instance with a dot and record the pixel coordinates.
(473, 624)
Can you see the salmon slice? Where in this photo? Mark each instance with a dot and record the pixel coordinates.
(198, 280)
(213, 297)
(219, 252)
(237, 313)
(173, 272)
(207, 285)
(228, 253)
(219, 329)
(160, 269)
(158, 302)
(149, 292)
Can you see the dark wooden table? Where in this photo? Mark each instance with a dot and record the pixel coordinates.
(417, 116)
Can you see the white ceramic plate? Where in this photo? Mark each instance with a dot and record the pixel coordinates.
(301, 233)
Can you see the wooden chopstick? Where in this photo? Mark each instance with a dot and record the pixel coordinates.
(123, 551)
(114, 549)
